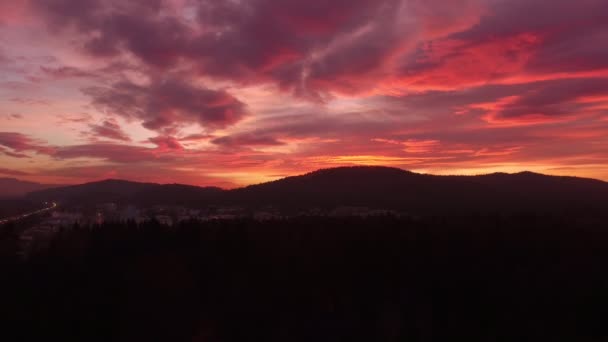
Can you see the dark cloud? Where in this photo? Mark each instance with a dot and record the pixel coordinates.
(262, 37)
(560, 91)
(555, 98)
(550, 98)
(112, 26)
(109, 129)
(582, 51)
(169, 103)
(13, 154)
(511, 17)
(346, 49)
(16, 141)
(19, 142)
(311, 47)
(155, 41)
(245, 140)
(431, 104)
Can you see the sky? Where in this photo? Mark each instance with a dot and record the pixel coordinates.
(235, 92)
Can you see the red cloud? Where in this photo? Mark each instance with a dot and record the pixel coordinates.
(549, 101)
(452, 64)
(516, 41)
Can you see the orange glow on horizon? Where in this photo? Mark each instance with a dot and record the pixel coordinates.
(276, 88)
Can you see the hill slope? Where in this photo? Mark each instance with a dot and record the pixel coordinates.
(373, 187)
(390, 188)
(121, 191)
(10, 187)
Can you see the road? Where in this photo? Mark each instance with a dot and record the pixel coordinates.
(22, 216)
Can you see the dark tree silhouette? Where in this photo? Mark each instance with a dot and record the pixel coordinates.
(479, 278)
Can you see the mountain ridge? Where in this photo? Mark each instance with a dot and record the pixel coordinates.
(373, 187)
(14, 188)
(323, 171)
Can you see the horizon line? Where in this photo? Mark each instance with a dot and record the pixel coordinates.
(523, 171)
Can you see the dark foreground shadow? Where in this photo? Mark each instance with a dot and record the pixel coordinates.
(314, 279)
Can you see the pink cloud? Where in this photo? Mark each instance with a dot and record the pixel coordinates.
(12, 12)
(66, 72)
(276, 87)
(166, 143)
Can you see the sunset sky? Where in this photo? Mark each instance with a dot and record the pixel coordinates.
(234, 92)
